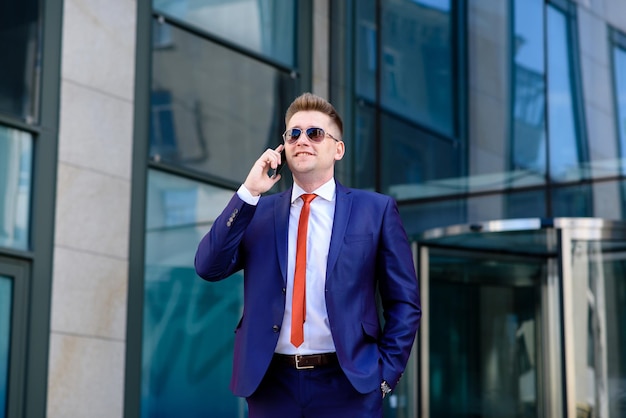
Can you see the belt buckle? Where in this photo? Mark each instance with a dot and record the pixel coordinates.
(297, 358)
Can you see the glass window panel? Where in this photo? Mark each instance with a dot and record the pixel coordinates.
(363, 151)
(619, 72)
(529, 96)
(416, 163)
(212, 106)
(16, 154)
(5, 338)
(416, 62)
(598, 298)
(267, 27)
(366, 51)
(19, 72)
(485, 335)
(572, 201)
(188, 333)
(566, 148)
(506, 97)
(421, 217)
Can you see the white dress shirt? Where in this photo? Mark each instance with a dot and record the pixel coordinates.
(317, 336)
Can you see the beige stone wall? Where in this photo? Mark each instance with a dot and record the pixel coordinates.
(321, 48)
(598, 91)
(88, 319)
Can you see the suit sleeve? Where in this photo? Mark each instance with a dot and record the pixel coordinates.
(218, 255)
(399, 292)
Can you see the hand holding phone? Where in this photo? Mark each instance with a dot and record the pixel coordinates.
(283, 162)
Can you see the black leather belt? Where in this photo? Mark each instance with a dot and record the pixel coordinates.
(304, 362)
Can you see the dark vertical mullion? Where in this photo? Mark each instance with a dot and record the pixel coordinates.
(379, 155)
(136, 260)
(459, 59)
(582, 140)
(43, 214)
(512, 138)
(546, 112)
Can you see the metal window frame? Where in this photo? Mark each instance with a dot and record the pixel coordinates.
(32, 269)
(141, 165)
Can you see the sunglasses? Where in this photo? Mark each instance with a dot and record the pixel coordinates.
(314, 134)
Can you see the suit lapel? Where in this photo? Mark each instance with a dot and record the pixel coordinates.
(343, 205)
(282, 206)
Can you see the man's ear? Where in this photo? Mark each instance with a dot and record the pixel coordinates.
(340, 150)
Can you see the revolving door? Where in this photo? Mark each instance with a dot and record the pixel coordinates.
(523, 319)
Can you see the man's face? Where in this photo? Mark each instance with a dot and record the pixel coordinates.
(314, 160)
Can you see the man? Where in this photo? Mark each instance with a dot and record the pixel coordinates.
(316, 254)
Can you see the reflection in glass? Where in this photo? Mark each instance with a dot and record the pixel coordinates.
(529, 91)
(599, 303)
(212, 106)
(16, 154)
(574, 201)
(423, 216)
(188, 323)
(414, 161)
(5, 339)
(484, 335)
(267, 27)
(566, 148)
(19, 45)
(363, 151)
(366, 50)
(619, 72)
(416, 63)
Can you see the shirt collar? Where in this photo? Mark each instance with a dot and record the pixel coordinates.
(326, 191)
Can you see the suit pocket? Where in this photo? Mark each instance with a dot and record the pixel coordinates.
(371, 330)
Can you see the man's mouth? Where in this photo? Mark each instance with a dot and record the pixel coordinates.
(298, 154)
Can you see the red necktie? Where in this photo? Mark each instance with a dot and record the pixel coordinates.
(298, 303)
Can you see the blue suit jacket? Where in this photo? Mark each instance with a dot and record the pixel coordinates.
(368, 248)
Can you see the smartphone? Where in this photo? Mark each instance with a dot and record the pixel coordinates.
(283, 163)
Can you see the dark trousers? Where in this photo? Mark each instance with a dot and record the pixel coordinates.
(323, 392)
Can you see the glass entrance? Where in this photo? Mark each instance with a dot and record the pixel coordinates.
(523, 319)
(485, 334)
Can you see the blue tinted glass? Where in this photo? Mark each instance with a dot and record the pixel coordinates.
(619, 71)
(212, 106)
(16, 154)
(416, 63)
(363, 151)
(483, 344)
(267, 27)
(564, 135)
(529, 135)
(19, 43)
(421, 217)
(366, 56)
(414, 160)
(5, 338)
(573, 201)
(188, 333)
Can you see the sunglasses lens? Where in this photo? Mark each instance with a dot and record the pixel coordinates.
(293, 135)
(315, 134)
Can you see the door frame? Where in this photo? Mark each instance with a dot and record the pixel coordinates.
(557, 386)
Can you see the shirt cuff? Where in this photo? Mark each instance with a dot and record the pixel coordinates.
(245, 195)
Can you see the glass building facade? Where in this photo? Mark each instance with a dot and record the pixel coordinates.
(499, 126)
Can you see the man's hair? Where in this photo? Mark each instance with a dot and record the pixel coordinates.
(308, 102)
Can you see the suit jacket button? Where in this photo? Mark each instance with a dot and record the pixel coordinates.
(284, 291)
(276, 328)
